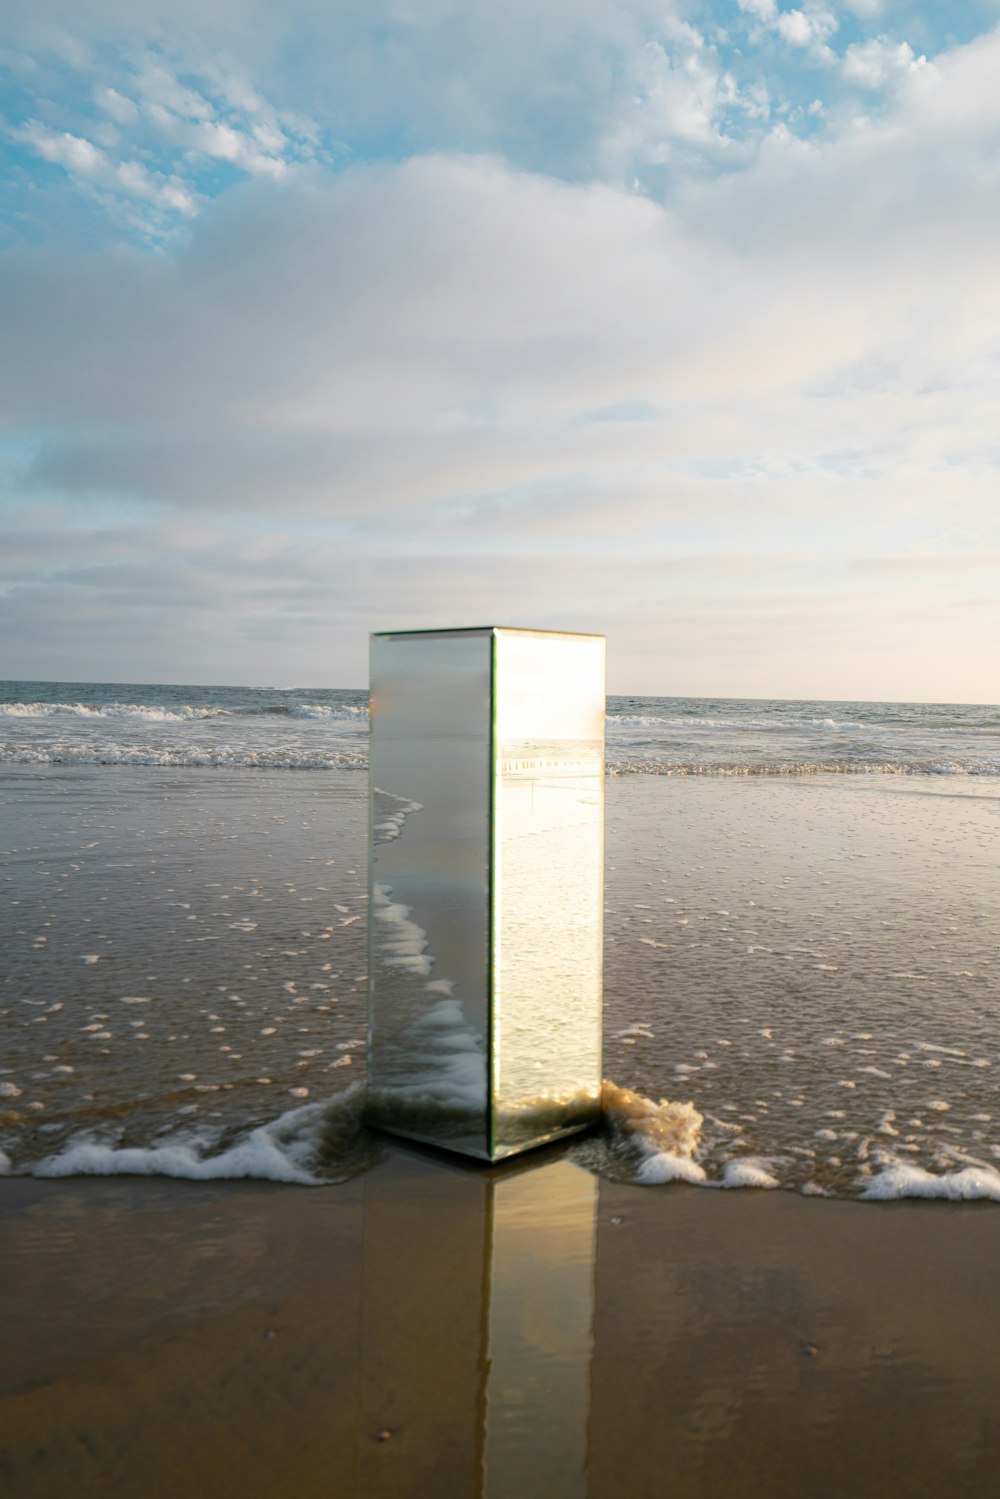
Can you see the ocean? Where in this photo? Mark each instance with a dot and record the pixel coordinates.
(310, 728)
(802, 939)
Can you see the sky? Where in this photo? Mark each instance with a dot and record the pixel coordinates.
(677, 322)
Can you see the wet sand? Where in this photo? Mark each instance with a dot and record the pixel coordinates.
(426, 1329)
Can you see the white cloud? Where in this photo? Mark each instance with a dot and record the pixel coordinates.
(435, 361)
(154, 134)
(576, 88)
(169, 193)
(77, 155)
(809, 28)
(795, 27)
(96, 169)
(223, 143)
(435, 333)
(763, 10)
(680, 100)
(875, 63)
(156, 84)
(121, 109)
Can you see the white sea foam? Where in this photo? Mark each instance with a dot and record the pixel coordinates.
(291, 1148)
(660, 1137)
(177, 756)
(663, 1166)
(794, 768)
(748, 1171)
(263, 729)
(969, 1184)
(642, 721)
(181, 713)
(343, 711)
(320, 754)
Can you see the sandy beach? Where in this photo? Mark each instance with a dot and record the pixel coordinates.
(428, 1330)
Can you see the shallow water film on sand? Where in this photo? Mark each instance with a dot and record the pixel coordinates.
(804, 966)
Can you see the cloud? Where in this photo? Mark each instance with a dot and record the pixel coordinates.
(186, 119)
(226, 144)
(631, 92)
(77, 155)
(121, 109)
(377, 388)
(763, 10)
(96, 169)
(606, 88)
(875, 63)
(224, 603)
(431, 331)
(808, 28)
(802, 29)
(932, 562)
(146, 134)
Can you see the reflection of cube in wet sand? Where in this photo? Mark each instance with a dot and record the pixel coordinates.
(487, 776)
(477, 1343)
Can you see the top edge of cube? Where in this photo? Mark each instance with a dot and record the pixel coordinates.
(484, 630)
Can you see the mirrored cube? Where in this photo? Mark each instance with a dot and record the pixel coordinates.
(486, 886)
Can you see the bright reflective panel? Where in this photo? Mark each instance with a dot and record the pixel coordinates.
(548, 885)
(487, 771)
(429, 920)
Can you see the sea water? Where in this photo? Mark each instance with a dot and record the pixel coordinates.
(113, 724)
(802, 959)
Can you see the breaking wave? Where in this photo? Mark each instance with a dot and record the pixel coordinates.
(313, 728)
(642, 721)
(638, 1140)
(802, 768)
(308, 1146)
(296, 755)
(182, 713)
(211, 757)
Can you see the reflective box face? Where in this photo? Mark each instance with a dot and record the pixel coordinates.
(487, 774)
(430, 886)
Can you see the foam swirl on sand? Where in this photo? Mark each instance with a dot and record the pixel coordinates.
(643, 1141)
(308, 1146)
(640, 1141)
(972, 1183)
